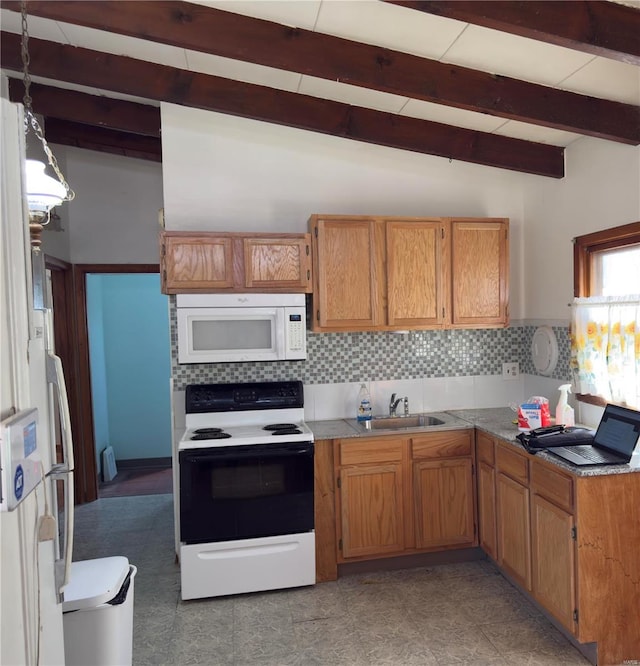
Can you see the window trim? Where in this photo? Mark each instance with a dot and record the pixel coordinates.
(585, 246)
(583, 249)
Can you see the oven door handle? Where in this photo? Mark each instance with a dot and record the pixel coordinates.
(249, 451)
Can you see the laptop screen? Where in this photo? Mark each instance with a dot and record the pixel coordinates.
(619, 429)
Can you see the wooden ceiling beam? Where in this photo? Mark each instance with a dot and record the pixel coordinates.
(103, 140)
(159, 82)
(606, 29)
(201, 28)
(99, 110)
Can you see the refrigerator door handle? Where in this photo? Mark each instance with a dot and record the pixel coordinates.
(64, 471)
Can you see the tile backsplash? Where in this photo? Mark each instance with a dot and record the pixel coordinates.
(346, 358)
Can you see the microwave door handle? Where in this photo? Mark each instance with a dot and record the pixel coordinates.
(281, 333)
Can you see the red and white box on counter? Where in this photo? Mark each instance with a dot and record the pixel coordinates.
(534, 413)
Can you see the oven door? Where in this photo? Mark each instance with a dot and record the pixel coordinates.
(245, 492)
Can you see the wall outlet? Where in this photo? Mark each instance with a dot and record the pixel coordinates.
(510, 370)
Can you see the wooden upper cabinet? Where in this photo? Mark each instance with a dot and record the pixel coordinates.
(346, 274)
(191, 262)
(415, 273)
(277, 263)
(479, 272)
(221, 262)
(377, 273)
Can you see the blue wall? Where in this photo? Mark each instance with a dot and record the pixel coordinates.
(130, 364)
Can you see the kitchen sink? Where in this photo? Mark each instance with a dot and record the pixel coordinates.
(399, 422)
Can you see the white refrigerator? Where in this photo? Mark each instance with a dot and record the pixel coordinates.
(36, 537)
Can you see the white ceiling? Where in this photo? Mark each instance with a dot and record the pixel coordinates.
(390, 26)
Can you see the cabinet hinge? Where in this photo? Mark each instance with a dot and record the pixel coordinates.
(339, 544)
(441, 233)
(443, 313)
(315, 231)
(575, 614)
(308, 275)
(338, 482)
(317, 315)
(307, 250)
(574, 533)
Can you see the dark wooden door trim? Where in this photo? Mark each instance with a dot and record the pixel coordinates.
(86, 468)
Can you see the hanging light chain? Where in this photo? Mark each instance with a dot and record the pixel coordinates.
(30, 120)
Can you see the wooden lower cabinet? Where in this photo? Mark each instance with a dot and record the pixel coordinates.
(486, 479)
(372, 514)
(553, 559)
(487, 509)
(371, 501)
(444, 502)
(514, 544)
(571, 541)
(396, 496)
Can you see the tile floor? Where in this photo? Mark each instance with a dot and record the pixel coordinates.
(462, 614)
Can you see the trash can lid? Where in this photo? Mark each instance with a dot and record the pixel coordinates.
(94, 582)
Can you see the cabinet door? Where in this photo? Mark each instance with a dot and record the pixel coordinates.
(514, 543)
(372, 513)
(278, 263)
(444, 502)
(196, 262)
(415, 289)
(553, 560)
(479, 273)
(487, 508)
(346, 274)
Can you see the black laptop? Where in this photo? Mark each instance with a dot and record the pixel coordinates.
(613, 443)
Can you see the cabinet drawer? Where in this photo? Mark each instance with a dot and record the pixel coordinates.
(512, 464)
(374, 450)
(484, 448)
(554, 486)
(442, 444)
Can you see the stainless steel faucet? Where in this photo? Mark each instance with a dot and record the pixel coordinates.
(394, 402)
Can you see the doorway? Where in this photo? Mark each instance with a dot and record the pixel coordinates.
(130, 369)
(87, 469)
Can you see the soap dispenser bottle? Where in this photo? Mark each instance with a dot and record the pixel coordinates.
(364, 404)
(564, 412)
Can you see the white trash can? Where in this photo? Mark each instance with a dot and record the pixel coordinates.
(98, 613)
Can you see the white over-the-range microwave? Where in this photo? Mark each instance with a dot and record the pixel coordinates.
(223, 328)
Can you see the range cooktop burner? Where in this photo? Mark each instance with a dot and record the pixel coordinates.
(281, 426)
(287, 431)
(210, 433)
(207, 431)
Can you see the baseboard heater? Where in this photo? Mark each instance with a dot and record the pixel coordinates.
(109, 469)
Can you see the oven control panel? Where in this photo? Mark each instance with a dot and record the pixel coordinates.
(200, 398)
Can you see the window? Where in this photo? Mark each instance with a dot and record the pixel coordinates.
(605, 340)
(592, 251)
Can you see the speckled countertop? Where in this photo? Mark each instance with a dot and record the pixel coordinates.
(496, 421)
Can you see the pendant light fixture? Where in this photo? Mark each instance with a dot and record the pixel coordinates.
(43, 192)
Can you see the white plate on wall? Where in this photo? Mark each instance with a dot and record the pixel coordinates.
(544, 350)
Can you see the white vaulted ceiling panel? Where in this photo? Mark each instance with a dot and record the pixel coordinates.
(516, 57)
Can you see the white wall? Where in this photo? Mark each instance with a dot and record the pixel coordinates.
(114, 217)
(223, 173)
(601, 189)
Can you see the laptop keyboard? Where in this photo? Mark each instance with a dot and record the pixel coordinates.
(593, 454)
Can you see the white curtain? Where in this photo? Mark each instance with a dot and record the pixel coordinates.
(605, 348)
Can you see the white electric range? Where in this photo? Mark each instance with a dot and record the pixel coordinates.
(245, 489)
